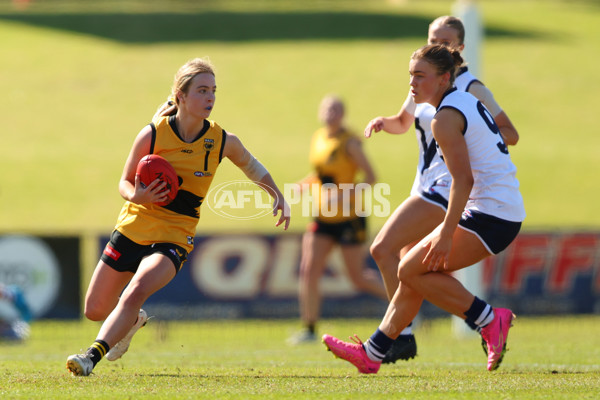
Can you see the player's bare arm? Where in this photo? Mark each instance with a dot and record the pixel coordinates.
(396, 124)
(236, 152)
(354, 148)
(447, 129)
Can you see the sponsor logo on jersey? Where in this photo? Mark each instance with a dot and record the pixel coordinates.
(187, 151)
(200, 174)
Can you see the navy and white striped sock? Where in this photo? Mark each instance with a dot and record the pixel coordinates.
(377, 345)
(479, 314)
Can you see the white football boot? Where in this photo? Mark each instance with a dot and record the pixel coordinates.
(80, 364)
(121, 348)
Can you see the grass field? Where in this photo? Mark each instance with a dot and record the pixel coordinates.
(80, 79)
(548, 358)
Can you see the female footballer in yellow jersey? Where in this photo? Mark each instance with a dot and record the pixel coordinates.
(337, 157)
(150, 242)
(196, 164)
(334, 165)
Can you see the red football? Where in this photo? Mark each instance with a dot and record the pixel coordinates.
(153, 167)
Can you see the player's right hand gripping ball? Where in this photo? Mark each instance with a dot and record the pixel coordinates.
(153, 167)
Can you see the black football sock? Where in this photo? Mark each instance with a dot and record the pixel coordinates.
(97, 350)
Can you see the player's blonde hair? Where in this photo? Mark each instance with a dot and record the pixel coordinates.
(181, 83)
(329, 103)
(451, 22)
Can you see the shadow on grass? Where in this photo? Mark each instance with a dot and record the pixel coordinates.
(268, 376)
(243, 27)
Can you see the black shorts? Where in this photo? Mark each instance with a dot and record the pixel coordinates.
(495, 233)
(123, 254)
(349, 232)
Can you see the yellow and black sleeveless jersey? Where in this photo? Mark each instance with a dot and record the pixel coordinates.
(333, 164)
(195, 164)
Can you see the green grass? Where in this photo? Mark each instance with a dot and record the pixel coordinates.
(548, 358)
(80, 79)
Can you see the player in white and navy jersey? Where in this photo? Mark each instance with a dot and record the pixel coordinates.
(428, 200)
(495, 189)
(484, 215)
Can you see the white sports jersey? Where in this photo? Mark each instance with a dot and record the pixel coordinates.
(495, 188)
(464, 79)
(432, 176)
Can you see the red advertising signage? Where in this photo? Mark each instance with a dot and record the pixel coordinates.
(547, 273)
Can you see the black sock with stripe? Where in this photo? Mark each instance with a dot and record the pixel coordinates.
(97, 350)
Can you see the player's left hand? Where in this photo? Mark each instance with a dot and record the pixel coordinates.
(282, 205)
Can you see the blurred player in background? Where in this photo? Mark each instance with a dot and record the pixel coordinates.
(483, 216)
(14, 321)
(428, 201)
(150, 243)
(337, 157)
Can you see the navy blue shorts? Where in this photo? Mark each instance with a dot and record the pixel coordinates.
(435, 198)
(123, 254)
(349, 232)
(495, 233)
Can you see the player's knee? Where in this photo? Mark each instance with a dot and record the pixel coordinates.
(403, 275)
(310, 271)
(134, 296)
(408, 276)
(377, 250)
(95, 311)
(304, 268)
(381, 252)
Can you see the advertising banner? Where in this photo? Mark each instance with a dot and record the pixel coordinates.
(46, 269)
(253, 276)
(547, 273)
(256, 276)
